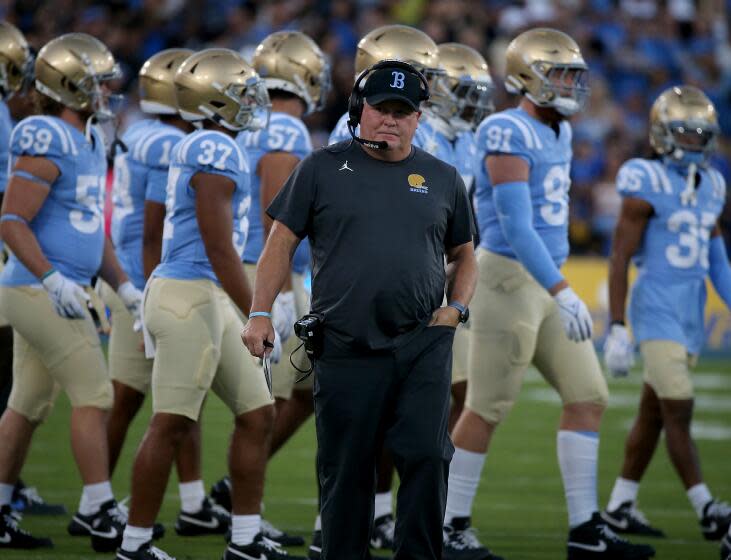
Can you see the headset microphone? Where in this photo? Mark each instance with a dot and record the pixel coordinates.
(372, 144)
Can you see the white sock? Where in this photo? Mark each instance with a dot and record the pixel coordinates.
(577, 458)
(382, 503)
(6, 494)
(464, 476)
(318, 523)
(134, 537)
(93, 496)
(699, 495)
(192, 495)
(244, 528)
(624, 490)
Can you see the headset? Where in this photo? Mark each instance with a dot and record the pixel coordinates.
(356, 100)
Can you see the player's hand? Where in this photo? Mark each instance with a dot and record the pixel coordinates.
(446, 316)
(68, 298)
(256, 331)
(132, 299)
(284, 314)
(575, 315)
(619, 352)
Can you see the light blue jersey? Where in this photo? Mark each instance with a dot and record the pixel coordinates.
(184, 255)
(140, 174)
(464, 156)
(6, 128)
(285, 133)
(432, 136)
(341, 131)
(513, 132)
(669, 295)
(69, 224)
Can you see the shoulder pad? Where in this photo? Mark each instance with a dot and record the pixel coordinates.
(42, 136)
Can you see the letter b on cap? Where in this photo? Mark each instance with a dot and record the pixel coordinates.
(398, 79)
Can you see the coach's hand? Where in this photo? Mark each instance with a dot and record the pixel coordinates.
(619, 352)
(256, 331)
(575, 315)
(446, 316)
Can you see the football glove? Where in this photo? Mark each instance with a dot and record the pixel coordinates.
(68, 298)
(575, 315)
(131, 298)
(619, 354)
(284, 314)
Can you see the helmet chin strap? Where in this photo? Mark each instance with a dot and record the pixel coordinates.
(688, 196)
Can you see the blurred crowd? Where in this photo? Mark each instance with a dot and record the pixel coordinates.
(635, 49)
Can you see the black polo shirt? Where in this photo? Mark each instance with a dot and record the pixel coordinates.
(378, 232)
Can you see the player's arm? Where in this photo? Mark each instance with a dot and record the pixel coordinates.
(719, 268)
(215, 222)
(154, 220)
(631, 225)
(27, 190)
(509, 177)
(274, 168)
(511, 194)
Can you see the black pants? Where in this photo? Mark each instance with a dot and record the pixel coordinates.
(400, 400)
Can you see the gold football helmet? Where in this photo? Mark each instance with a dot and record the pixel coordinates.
(407, 44)
(16, 60)
(468, 85)
(220, 85)
(70, 69)
(546, 66)
(157, 91)
(291, 61)
(684, 125)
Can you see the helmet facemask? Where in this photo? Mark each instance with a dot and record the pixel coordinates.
(691, 141)
(252, 102)
(472, 102)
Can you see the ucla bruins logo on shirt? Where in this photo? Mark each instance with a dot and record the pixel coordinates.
(417, 184)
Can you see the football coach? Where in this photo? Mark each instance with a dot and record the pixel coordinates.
(381, 216)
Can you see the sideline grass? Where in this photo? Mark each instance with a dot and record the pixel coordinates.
(519, 508)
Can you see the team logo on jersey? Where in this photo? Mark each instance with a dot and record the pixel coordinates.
(417, 183)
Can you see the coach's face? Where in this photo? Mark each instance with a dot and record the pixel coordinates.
(392, 121)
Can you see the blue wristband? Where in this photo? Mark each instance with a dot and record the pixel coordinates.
(13, 218)
(458, 306)
(260, 314)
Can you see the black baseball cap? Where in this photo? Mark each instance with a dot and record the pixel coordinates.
(394, 83)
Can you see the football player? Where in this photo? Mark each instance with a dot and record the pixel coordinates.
(16, 103)
(189, 318)
(140, 179)
(52, 221)
(408, 44)
(524, 311)
(726, 546)
(297, 77)
(449, 129)
(669, 225)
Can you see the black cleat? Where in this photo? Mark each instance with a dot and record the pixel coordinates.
(716, 520)
(80, 525)
(315, 550)
(627, 519)
(461, 543)
(261, 548)
(27, 501)
(594, 540)
(221, 493)
(726, 547)
(12, 536)
(382, 536)
(279, 536)
(212, 519)
(145, 552)
(107, 526)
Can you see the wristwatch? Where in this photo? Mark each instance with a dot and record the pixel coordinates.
(464, 312)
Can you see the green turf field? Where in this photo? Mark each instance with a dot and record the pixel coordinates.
(519, 509)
